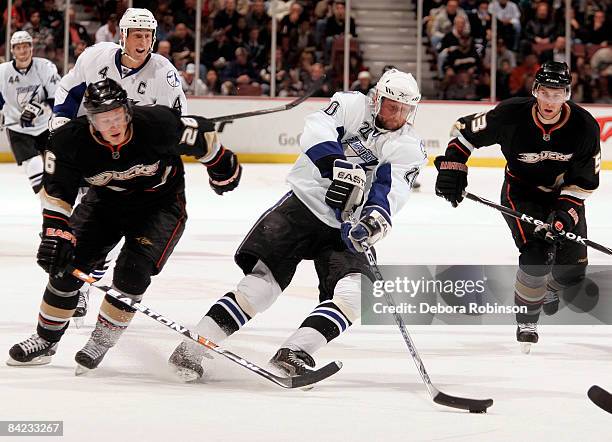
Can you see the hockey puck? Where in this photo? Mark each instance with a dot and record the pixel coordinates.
(478, 411)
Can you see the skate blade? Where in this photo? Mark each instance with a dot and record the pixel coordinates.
(40, 360)
(185, 374)
(81, 370)
(78, 322)
(526, 347)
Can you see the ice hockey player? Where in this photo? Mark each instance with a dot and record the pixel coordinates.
(148, 78)
(355, 147)
(553, 156)
(131, 158)
(27, 91)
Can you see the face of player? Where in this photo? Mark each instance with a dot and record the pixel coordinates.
(550, 101)
(392, 114)
(112, 125)
(23, 54)
(137, 44)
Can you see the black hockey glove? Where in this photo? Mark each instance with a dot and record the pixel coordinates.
(57, 244)
(452, 179)
(345, 193)
(30, 112)
(224, 172)
(563, 219)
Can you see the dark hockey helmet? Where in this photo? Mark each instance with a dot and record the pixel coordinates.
(555, 75)
(106, 95)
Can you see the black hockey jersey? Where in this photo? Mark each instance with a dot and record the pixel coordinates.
(142, 171)
(564, 157)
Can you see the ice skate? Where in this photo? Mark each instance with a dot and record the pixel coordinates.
(33, 351)
(527, 334)
(89, 357)
(186, 364)
(81, 309)
(292, 362)
(551, 303)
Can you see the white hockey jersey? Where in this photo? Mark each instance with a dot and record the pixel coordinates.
(38, 84)
(155, 82)
(345, 129)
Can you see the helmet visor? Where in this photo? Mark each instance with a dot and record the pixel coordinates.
(551, 95)
(116, 118)
(391, 114)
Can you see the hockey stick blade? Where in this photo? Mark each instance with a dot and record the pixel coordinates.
(226, 118)
(601, 398)
(309, 378)
(471, 405)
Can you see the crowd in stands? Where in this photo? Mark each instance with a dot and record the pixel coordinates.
(236, 38)
(529, 33)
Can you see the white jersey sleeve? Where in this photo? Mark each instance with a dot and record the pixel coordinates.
(403, 156)
(49, 77)
(168, 88)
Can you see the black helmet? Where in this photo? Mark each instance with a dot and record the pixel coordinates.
(105, 95)
(554, 74)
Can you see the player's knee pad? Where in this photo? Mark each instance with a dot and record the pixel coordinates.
(132, 273)
(257, 290)
(536, 258)
(347, 296)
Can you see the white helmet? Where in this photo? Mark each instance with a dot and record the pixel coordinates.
(397, 86)
(20, 37)
(136, 18)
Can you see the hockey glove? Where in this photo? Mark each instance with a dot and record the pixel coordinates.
(224, 172)
(563, 219)
(56, 122)
(452, 179)
(57, 244)
(30, 112)
(372, 227)
(345, 192)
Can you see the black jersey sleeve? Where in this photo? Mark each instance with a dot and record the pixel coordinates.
(582, 177)
(62, 176)
(198, 138)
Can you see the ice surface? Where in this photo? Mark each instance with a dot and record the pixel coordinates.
(377, 395)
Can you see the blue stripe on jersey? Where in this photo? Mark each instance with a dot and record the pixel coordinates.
(70, 107)
(380, 190)
(325, 149)
(1, 101)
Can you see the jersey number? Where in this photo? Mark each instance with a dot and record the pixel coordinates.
(191, 131)
(49, 162)
(365, 130)
(332, 108)
(102, 72)
(177, 104)
(597, 159)
(14, 79)
(479, 122)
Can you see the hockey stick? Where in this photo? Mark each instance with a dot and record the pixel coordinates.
(285, 382)
(315, 87)
(601, 398)
(536, 222)
(472, 405)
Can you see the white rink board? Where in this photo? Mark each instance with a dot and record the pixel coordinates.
(279, 133)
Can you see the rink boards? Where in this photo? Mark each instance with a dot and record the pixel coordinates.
(274, 138)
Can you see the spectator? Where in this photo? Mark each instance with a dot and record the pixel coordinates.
(239, 34)
(187, 14)
(480, 21)
(41, 36)
(290, 23)
(217, 52)
(227, 18)
(557, 53)
(79, 48)
(191, 85)
(182, 46)
(240, 71)
(522, 76)
(599, 29)
(601, 62)
(165, 26)
(463, 58)
(19, 16)
(503, 80)
(77, 31)
(458, 31)
(334, 27)
(164, 48)
(212, 85)
(304, 40)
(317, 71)
(257, 51)
(54, 20)
(109, 31)
(363, 83)
(443, 21)
(281, 71)
(258, 18)
(509, 21)
(462, 88)
(504, 55)
(302, 70)
(542, 29)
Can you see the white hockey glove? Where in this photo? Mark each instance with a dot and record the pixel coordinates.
(56, 122)
(372, 227)
(345, 193)
(29, 113)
